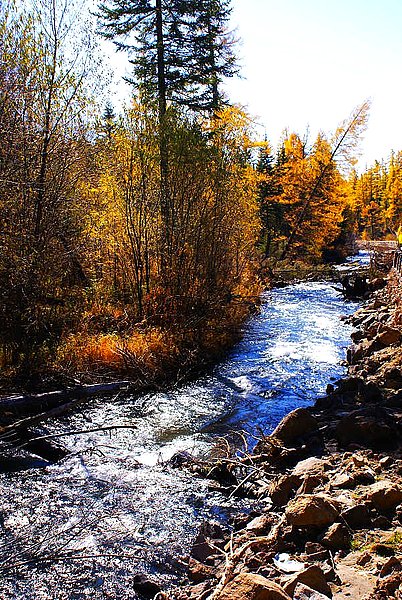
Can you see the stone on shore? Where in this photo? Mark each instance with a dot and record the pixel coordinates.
(313, 577)
(311, 511)
(385, 495)
(303, 592)
(367, 428)
(337, 537)
(297, 424)
(250, 586)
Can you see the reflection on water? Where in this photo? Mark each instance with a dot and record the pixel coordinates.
(115, 502)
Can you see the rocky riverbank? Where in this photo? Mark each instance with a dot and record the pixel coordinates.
(328, 482)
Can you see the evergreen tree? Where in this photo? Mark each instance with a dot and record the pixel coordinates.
(109, 121)
(180, 49)
(270, 208)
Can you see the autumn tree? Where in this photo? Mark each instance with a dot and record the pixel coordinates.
(215, 215)
(43, 102)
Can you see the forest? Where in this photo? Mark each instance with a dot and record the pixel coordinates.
(132, 240)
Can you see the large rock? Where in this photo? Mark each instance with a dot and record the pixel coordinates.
(311, 466)
(311, 511)
(281, 489)
(385, 495)
(337, 537)
(367, 428)
(198, 572)
(359, 351)
(313, 577)
(297, 424)
(250, 586)
(387, 336)
(303, 592)
(357, 517)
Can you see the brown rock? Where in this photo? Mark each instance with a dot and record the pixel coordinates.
(296, 424)
(337, 537)
(381, 522)
(382, 549)
(261, 524)
(356, 517)
(303, 592)
(391, 565)
(388, 336)
(385, 495)
(311, 466)
(249, 586)
(370, 392)
(313, 577)
(387, 586)
(358, 351)
(281, 489)
(202, 548)
(367, 428)
(386, 462)
(343, 481)
(309, 484)
(310, 511)
(377, 284)
(198, 572)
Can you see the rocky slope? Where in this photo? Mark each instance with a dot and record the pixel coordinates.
(328, 482)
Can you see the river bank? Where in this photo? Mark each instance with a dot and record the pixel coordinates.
(330, 478)
(118, 505)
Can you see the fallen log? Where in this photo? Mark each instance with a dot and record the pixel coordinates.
(33, 404)
(20, 413)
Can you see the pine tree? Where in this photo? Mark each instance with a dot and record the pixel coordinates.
(180, 49)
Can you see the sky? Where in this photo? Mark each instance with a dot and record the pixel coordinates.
(309, 63)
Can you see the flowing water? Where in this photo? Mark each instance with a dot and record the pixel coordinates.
(115, 507)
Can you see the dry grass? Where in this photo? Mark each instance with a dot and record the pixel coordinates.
(151, 354)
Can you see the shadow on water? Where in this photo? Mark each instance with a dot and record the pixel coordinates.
(114, 508)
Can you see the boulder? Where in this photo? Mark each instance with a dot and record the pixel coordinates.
(202, 548)
(366, 427)
(388, 336)
(370, 392)
(357, 517)
(377, 284)
(303, 592)
(311, 511)
(297, 424)
(310, 467)
(261, 524)
(393, 378)
(337, 537)
(309, 484)
(313, 577)
(343, 481)
(350, 385)
(391, 565)
(385, 495)
(281, 489)
(250, 586)
(358, 351)
(198, 572)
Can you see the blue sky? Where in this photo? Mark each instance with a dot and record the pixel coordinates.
(308, 63)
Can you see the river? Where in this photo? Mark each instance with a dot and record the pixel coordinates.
(115, 507)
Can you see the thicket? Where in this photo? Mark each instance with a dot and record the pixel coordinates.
(126, 242)
(376, 198)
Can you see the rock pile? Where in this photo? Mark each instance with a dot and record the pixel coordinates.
(332, 522)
